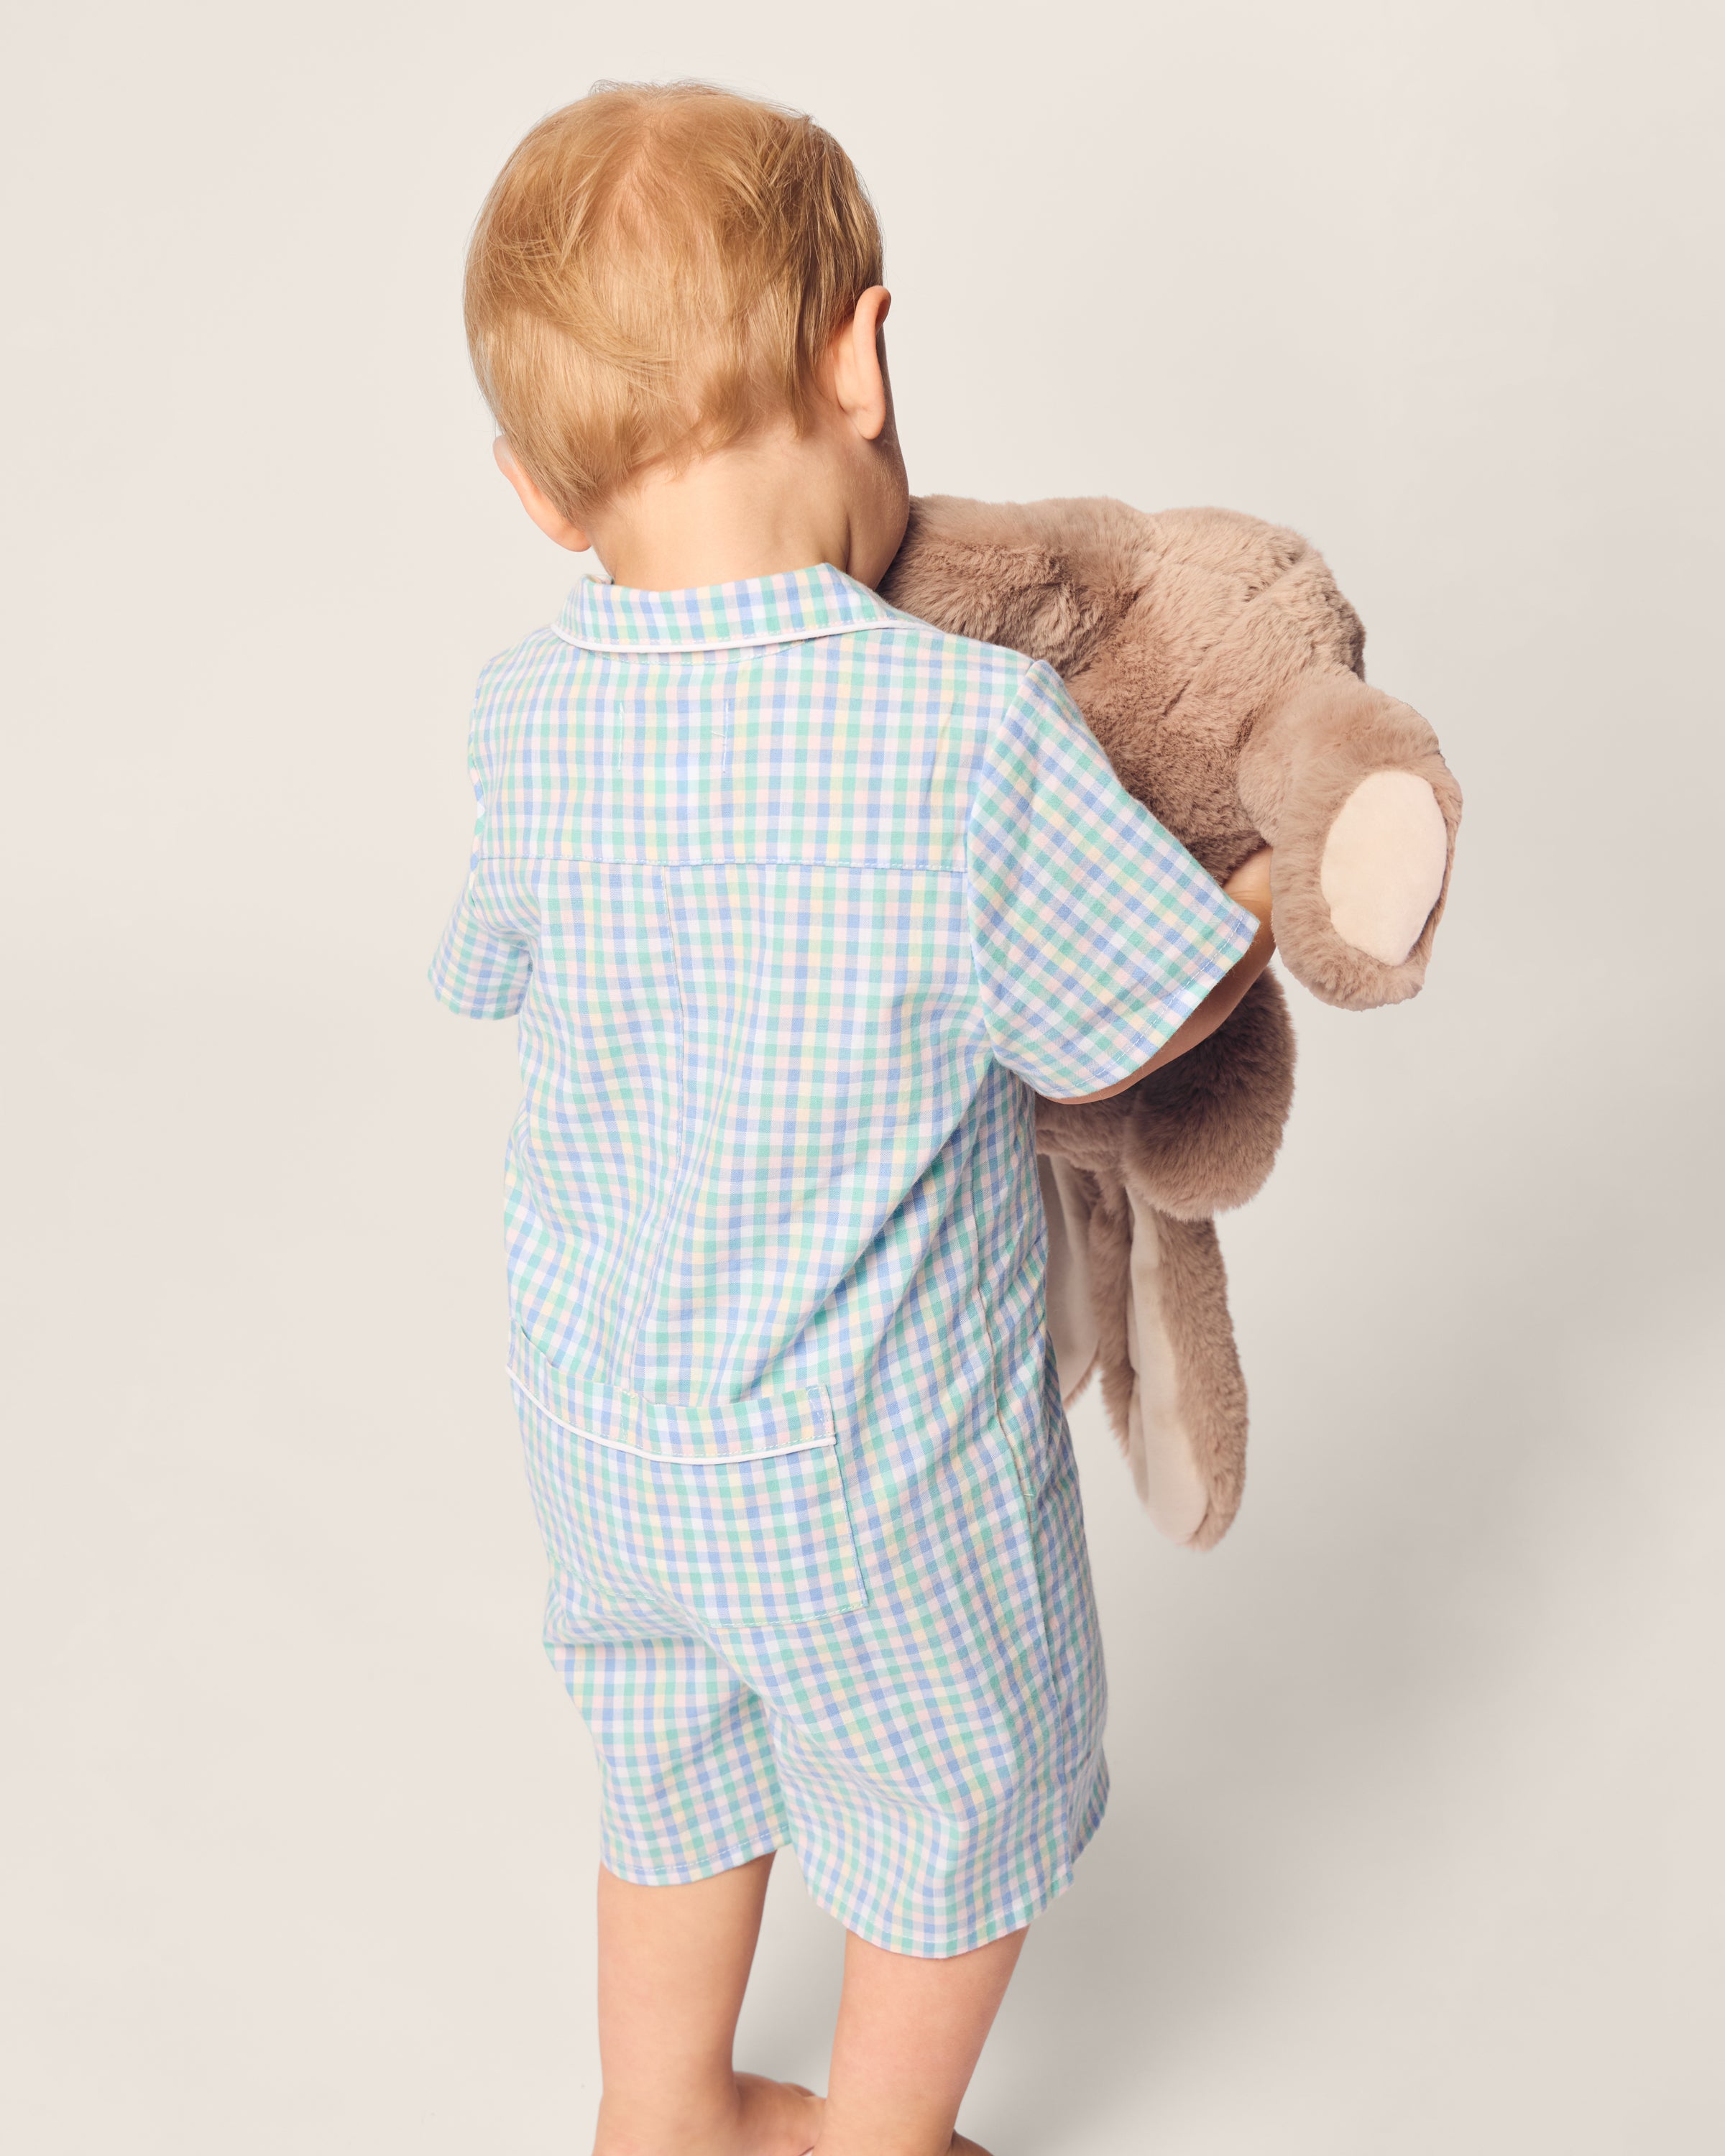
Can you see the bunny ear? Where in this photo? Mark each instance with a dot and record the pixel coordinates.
(967, 567)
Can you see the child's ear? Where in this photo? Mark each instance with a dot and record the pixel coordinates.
(550, 519)
(859, 377)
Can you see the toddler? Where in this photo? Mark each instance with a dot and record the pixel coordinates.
(800, 904)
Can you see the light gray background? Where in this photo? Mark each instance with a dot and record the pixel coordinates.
(1415, 1843)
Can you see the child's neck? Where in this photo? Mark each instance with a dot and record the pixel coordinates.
(757, 510)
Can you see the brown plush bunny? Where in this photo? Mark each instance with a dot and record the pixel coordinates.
(1220, 669)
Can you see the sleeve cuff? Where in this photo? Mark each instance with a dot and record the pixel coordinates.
(476, 974)
(1167, 1011)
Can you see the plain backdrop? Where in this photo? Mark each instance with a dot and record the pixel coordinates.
(1415, 1845)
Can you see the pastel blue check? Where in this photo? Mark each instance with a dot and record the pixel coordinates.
(798, 900)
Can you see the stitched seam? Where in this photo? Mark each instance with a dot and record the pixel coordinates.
(676, 1458)
(716, 861)
(719, 643)
(650, 1283)
(722, 861)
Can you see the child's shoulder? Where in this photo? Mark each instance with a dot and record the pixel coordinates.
(513, 683)
(910, 660)
(990, 675)
(523, 659)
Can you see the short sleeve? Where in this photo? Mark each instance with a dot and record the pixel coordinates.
(481, 967)
(1093, 931)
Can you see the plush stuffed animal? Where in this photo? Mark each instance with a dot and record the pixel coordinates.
(1220, 668)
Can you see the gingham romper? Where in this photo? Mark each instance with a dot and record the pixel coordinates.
(798, 900)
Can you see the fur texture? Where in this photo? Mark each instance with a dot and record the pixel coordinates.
(1223, 673)
(1200, 1135)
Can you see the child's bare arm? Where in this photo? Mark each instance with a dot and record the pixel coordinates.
(1248, 886)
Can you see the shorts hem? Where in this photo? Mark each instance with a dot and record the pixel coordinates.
(702, 1867)
(984, 1929)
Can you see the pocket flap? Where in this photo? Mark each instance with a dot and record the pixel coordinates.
(752, 1428)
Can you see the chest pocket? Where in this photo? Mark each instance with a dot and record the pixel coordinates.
(733, 1509)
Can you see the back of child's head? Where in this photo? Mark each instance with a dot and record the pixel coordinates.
(656, 274)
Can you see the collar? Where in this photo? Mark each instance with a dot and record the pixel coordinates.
(783, 609)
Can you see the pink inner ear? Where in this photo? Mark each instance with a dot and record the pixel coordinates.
(1171, 1482)
(1384, 863)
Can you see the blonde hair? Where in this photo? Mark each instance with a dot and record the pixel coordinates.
(656, 271)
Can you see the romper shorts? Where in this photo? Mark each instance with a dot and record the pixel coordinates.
(788, 1620)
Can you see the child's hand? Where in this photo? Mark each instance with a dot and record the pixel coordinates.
(1250, 884)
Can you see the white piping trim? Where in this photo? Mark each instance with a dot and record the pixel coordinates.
(687, 1459)
(715, 643)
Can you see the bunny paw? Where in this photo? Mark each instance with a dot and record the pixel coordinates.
(1384, 863)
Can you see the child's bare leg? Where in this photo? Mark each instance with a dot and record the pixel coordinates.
(673, 1964)
(910, 2033)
